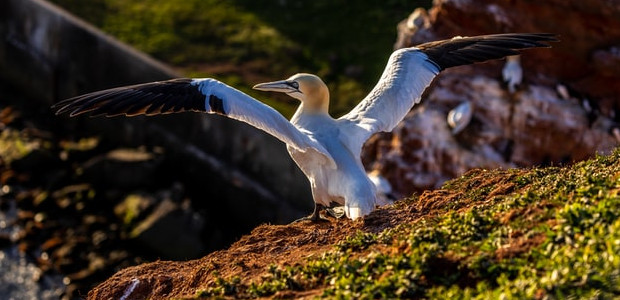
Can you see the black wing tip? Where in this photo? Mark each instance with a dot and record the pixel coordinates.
(61, 107)
(173, 95)
(74, 106)
(539, 39)
(524, 40)
(536, 39)
(460, 51)
(542, 35)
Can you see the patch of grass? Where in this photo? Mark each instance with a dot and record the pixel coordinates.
(359, 241)
(557, 237)
(221, 288)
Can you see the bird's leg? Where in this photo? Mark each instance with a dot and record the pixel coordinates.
(315, 216)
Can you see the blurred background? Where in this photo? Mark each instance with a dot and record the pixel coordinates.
(81, 198)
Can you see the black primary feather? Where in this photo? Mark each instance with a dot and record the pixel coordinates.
(468, 50)
(160, 97)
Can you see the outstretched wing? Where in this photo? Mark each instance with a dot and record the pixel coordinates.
(197, 95)
(409, 71)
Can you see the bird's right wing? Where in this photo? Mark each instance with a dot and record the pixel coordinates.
(198, 95)
(406, 76)
(410, 70)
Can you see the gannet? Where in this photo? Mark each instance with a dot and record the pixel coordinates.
(512, 73)
(327, 150)
(459, 117)
(383, 186)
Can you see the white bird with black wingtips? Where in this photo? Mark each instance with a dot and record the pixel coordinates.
(326, 149)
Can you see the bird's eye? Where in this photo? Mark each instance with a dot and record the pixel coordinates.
(294, 84)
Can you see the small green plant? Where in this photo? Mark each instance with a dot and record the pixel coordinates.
(358, 241)
(221, 288)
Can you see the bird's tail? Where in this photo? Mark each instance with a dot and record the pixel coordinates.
(354, 212)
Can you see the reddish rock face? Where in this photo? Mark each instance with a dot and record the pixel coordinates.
(587, 60)
(564, 110)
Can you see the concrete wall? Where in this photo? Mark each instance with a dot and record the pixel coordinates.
(47, 55)
(51, 55)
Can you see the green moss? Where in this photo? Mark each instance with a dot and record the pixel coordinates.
(359, 241)
(221, 288)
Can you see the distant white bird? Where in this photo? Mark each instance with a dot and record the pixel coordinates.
(562, 91)
(326, 149)
(460, 116)
(512, 72)
(383, 186)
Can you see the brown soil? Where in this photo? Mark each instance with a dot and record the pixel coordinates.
(250, 257)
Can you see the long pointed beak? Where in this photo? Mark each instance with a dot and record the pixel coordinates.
(282, 86)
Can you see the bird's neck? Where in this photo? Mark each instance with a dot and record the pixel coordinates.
(316, 103)
(310, 109)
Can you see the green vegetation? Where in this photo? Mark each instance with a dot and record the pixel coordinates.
(15, 145)
(243, 42)
(556, 235)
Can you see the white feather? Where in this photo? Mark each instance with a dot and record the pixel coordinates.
(406, 76)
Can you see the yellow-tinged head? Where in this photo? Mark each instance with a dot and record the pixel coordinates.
(307, 88)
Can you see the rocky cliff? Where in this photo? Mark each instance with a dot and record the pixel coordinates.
(565, 109)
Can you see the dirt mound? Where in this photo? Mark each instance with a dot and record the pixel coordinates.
(287, 245)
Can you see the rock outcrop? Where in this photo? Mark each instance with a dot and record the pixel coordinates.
(566, 108)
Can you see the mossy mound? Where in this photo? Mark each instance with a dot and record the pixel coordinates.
(523, 234)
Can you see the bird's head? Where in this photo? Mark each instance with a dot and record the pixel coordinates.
(307, 88)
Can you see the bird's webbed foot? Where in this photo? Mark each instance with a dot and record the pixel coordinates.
(315, 217)
(336, 211)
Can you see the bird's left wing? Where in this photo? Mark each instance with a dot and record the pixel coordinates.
(410, 70)
(197, 95)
